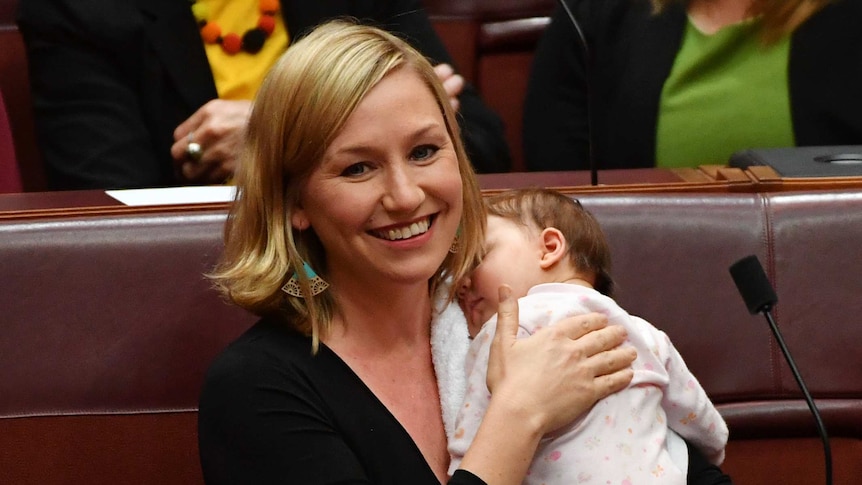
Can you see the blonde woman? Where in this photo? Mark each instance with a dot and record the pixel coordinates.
(676, 83)
(356, 201)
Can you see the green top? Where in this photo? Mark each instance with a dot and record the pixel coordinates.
(726, 92)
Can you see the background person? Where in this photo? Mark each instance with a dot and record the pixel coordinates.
(122, 89)
(683, 83)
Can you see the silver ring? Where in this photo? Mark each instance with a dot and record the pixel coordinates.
(194, 150)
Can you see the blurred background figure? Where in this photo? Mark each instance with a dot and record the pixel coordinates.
(674, 83)
(158, 93)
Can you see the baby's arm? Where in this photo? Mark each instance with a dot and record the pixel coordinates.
(689, 410)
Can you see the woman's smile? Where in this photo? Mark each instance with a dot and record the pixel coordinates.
(404, 231)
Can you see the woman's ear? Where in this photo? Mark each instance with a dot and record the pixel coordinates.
(298, 219)
(553, 247)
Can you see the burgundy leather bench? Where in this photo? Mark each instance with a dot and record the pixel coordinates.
(107, 326)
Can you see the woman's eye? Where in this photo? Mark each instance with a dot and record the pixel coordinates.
(424, 152)
(355, 170)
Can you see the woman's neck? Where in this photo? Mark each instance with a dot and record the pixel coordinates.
(378, 317)
(710, 16)
(383, 333)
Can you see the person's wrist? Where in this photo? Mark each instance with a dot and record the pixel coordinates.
(506, 441)
(526, 420)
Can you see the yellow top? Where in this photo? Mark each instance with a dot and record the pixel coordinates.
(239, 76)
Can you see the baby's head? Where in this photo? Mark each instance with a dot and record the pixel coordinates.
(534, 236)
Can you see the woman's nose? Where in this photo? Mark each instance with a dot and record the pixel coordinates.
(403, 192)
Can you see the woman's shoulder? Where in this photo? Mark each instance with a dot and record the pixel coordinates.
(269, 356)
(269, 343)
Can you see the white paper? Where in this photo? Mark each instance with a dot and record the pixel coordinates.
(175, 195)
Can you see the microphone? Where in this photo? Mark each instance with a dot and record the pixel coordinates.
(759, 297)
(594, 171)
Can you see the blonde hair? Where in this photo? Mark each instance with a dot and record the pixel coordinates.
(779, 17)
(538, 209)
(302, 105)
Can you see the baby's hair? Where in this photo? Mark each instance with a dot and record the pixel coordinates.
(539, 208)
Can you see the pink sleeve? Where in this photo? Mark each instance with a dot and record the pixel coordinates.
(689, 410)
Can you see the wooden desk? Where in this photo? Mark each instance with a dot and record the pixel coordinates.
(34, 205)
(639, 180)
(87, 202)
(707, 178)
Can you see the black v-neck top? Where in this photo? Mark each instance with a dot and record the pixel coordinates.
(271, 412)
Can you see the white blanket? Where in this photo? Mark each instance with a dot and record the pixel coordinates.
(449, 344)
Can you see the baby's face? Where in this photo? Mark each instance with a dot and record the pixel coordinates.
(512, 257)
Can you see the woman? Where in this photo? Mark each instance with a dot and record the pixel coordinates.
(689, 82)
(353, 187)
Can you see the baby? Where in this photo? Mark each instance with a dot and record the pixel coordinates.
(553, 254)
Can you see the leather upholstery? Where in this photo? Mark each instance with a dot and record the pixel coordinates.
(671, 259)
(108, 326)
(10, 179)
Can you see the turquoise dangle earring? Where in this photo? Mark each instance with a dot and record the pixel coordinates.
(315, 283)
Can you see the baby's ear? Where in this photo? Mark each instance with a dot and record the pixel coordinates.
(553, 247)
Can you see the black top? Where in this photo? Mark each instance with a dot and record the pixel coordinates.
(270, 412)
(112, 80)
(632, 53)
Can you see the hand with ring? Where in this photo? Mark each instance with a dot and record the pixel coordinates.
(194, 151)
(207, 145)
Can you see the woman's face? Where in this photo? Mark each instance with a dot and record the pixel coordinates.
(386, 198)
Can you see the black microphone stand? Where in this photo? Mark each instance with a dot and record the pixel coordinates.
(759, 296)
(594, 170)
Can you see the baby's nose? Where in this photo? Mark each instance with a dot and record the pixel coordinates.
(464, 287)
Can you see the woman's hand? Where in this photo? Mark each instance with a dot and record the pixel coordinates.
(217, 127)
(559, 372)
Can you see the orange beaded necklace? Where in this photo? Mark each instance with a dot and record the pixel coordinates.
(251, 41)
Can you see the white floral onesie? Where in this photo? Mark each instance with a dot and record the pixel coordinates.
(623, 439)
